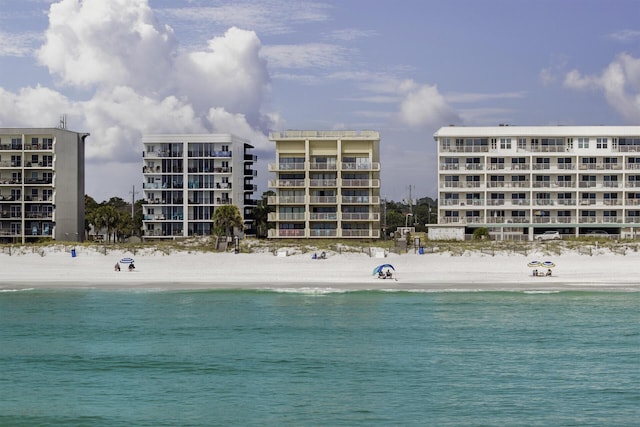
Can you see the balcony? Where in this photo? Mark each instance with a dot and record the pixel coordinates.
(289, 216)
(323, 166)
(372, 234)
(368, 166)
(323, 232)
(276, 183)
(323, 183)
(360, 200)
(323, 200)
(323, 216)
(360, 216)
(361, 183)
(286, 200)
(297, 232)
(284, 167)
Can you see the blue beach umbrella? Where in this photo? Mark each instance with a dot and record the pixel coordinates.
(548, 264)
(126, 260)
(534, 264)
(379, 268)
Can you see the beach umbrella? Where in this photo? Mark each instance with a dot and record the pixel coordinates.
(548, 264)
(381, 267)
(126, 260)
(534, 264)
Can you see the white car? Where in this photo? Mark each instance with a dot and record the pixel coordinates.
(548, 235)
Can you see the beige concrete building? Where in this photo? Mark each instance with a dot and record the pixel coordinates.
(41, 184)
(522, 181)
(327, 184)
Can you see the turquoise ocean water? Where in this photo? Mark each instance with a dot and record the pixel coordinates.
(260, 358)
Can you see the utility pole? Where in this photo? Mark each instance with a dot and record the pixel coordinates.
(133, 193)
(411, 202)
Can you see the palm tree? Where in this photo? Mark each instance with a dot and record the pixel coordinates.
(225, 219)
(261, 214)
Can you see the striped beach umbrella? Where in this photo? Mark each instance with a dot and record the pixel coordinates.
(126, 260)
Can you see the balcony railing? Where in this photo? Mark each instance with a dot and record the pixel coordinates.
(275, 167)
(323, 182)
(323, 199)
(297, 232)
(369, 183)
(373, 234)
(360, 216)
(323, 232)
(274, 183)
(364, 200)
(289, 216)
(323, 166)
(286, 200)
(368, 166)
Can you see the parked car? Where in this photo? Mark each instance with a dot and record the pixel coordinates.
(549, 235)
(600, 234)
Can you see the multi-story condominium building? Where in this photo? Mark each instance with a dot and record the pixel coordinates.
(520, 181)
(41, 184)
(327, 184)
(186, 177)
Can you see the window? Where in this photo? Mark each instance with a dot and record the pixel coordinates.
(601, 142)
(522, 143)
(505, 143)
(583, 142)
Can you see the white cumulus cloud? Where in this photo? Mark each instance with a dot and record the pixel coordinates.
(424, 106)
(135, 78)
(619, 82)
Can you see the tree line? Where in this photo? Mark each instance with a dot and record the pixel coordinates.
(114, 217)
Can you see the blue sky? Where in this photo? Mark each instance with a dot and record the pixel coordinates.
(122, 68)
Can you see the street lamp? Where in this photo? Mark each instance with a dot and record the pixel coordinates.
(406, 220)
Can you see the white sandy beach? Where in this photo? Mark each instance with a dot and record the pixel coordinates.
(56, 268)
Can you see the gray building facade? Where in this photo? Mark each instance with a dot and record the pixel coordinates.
(41, 185)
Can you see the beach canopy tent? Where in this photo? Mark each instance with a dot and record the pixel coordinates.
(381, 267)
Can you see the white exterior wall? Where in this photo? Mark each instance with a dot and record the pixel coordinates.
(183, 185)
(525, 180)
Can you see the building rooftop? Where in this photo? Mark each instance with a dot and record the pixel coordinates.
(514, 131)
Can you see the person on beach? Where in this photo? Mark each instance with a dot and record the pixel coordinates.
(117, 266)
(132, 267)
(549, 272)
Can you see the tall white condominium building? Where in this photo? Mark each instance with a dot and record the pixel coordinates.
(520, 181)
(187, 177)
(327, 184)
(41, 184)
